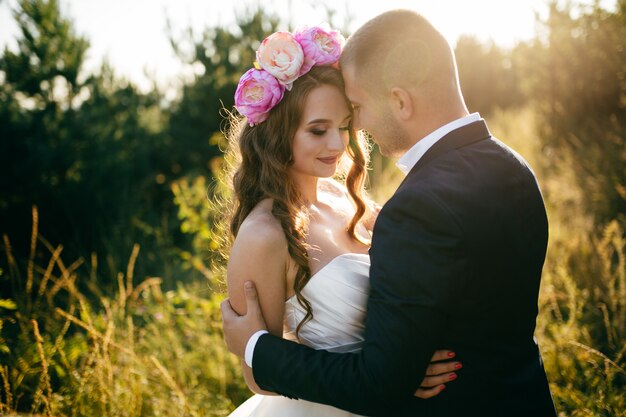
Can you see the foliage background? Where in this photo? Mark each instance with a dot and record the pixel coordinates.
(110, 271)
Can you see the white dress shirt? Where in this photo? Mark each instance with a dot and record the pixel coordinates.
(405, 164)
(410, 158)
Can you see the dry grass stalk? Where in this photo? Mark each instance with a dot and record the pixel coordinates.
(59, 340)
(13, 269)
(596, 352)
(147, 283)
(31, 257)
(171, 382)
(44, 381)
(122, 290)
(130, 332)
(8, 394)
(130, 269)
(47, 275)
(68, 278)
(91, 331)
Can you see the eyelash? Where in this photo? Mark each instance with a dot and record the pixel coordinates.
(323, 132)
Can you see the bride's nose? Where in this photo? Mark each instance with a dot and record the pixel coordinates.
(335, 141)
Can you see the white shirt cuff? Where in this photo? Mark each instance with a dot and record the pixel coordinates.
(251, 345)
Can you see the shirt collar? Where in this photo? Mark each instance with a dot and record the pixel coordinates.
(410, 158)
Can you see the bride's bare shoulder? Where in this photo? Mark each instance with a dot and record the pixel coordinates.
(260, 235)
(260, 232)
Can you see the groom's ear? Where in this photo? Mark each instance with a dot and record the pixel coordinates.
(401, 103)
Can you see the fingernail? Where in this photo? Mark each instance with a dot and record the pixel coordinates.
(458, 365)
(451, 354)
(442, 387)
(452, 377)
(248, 285)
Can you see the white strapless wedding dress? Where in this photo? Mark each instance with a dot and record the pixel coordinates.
(338, 296)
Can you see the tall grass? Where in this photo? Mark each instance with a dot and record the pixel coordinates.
(138, 352)
(581, 328)
(582, 318)
(66, 349)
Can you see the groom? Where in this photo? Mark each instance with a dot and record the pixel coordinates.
(456, 254)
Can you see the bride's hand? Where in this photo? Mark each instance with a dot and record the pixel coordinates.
(438, 374)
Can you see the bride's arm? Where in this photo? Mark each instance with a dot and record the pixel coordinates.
(260, 254)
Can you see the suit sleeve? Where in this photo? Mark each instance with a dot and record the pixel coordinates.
(416, 273)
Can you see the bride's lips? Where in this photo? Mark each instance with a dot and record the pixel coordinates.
(330, 160)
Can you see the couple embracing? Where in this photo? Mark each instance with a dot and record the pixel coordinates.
(339, 307)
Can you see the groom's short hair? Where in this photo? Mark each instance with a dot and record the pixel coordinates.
(400, 48)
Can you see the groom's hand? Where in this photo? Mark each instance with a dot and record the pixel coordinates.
(238, 329)
(439, 372)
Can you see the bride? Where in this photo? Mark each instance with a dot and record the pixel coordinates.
(300, 220)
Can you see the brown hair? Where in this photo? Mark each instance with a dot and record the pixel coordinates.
(263, 154)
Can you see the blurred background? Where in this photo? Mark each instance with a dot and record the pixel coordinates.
(111, 145)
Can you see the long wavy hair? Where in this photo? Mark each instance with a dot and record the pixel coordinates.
(260, 159)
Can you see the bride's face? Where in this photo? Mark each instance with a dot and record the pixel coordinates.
(322, 137)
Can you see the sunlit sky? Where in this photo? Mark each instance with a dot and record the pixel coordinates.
(131, 34)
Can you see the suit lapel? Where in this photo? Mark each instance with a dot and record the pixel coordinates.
(458, 138)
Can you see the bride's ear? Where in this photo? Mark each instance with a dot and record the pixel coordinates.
(401, 103)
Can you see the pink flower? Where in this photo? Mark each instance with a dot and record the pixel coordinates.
(282, 56)
(321, 46)
(257, 93)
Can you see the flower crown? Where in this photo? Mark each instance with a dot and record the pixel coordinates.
(282, 58)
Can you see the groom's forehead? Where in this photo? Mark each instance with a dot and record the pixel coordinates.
(356, 95)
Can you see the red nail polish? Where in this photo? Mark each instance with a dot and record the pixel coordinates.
(458, 365)
(442, 387)
(452, 377)
(451, 354)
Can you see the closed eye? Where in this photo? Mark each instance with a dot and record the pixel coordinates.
(317, 132)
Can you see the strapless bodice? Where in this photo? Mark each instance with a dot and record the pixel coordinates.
(338, 296)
